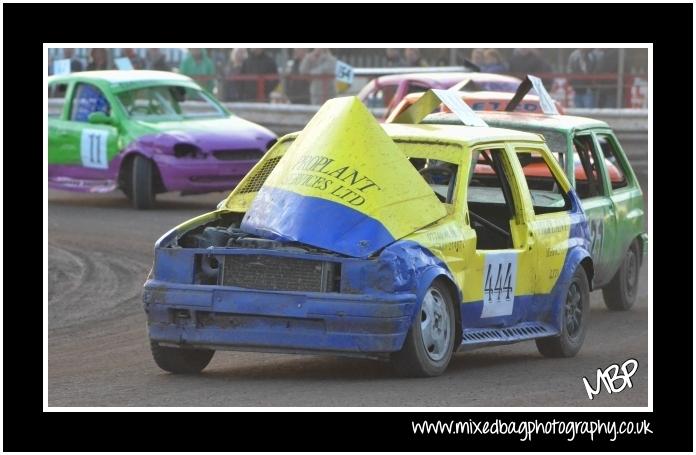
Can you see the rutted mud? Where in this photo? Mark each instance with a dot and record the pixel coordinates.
(76, 278)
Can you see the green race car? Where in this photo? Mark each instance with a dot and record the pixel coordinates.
(145, 132)
(598, 169)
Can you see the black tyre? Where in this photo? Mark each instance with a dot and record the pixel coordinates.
(127, 191)
(576, 311)
(429, 344)
(621, 292)
(181, 360)
(142, 191)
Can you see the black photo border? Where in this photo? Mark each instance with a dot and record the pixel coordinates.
(27, 27)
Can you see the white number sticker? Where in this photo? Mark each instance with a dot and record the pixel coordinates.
(500, 270)
(344, 72)
(93, 148)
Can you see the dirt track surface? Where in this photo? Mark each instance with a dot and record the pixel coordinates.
(99, 254)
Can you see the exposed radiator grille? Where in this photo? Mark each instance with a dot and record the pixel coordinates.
(273, 273)
(255, 181)
(238, 154)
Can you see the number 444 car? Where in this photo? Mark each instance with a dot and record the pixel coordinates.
(400, 242)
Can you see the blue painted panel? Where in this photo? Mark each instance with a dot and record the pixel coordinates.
(323, 224)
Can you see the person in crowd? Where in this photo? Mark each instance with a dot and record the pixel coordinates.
(233, 88)
(441, 57)
(136, 60)
(582, 61)
(493, 62)
(528, 61)
(413, 57)
(296, 89)
(607, 62)
(394, 58)
(156, 60)
(219, 56)
(478, 57)
(98, 59)
(317, 63)
(258, 62)
(198, 65)
(75, 63)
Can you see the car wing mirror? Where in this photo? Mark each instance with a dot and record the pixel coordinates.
(99, 118)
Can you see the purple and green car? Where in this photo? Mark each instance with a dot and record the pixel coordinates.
(145, 132)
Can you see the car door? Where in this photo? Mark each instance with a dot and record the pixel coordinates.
(591, 185)
(58, 148)
(627, 220)
(84, 150)
(549, 223)
(501, 272)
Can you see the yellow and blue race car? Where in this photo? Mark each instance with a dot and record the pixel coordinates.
(392, 241)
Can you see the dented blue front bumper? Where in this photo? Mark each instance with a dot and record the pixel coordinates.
(223, 317)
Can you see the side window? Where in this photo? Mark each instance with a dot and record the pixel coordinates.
(490, 201)
(381, 96)
(545, 191)
(88, 99)
(440, 175)
(615, 168)
(415, 88)
(56, 93)
(588, 177)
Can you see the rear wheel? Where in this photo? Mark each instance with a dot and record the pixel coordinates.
(430, 341)
(181, 360)
(621, 292)
(142, 191)
(576, 310)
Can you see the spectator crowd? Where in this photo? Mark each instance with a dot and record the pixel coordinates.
(308, 75)
(582, 64)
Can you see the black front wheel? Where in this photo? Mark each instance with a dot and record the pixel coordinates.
(576, 310)
(142, 190)
(181, 360)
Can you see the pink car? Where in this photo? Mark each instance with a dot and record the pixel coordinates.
(479, 101)
(388, 91)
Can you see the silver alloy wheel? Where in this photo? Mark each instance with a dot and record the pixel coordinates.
(435, 324)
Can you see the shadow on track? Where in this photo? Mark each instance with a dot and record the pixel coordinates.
(349, 369)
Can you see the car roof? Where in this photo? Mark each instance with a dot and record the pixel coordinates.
(123, 76)
(447, 78)
(512, 119)
(469, 135)
(497, 95)
(480, 95)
